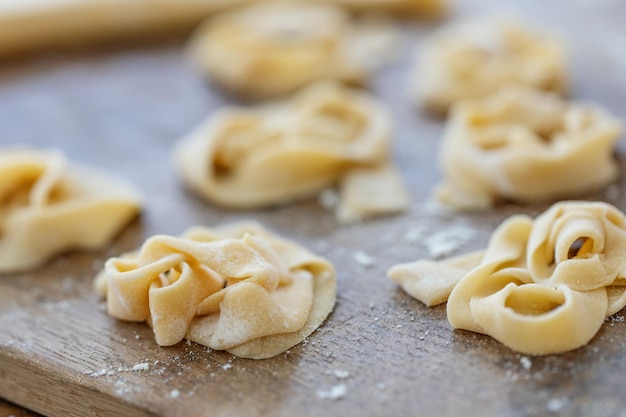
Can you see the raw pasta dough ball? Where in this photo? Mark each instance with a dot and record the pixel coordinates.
(273, 48)
(474, 58)
(238, 288)
(48, 206)
(525, 145)
(542, 286)
(289, 150)
(402, 8)
(29, 25)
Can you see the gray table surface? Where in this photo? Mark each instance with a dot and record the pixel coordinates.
(123, 108)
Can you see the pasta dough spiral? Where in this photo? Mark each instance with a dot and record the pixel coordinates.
(525, 145)
(474, 58)
(273, 48)
(290, 150)
(48, 206)
(542, 286)
(239, 288)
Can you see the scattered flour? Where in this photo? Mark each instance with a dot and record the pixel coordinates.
(615, 319)
(526, 362)
(341, 374)
(335, 393)
(175, 393)
(447, 241)
(416, 234)
(556, 404)
(141, 367)
(440, 242)
(364, 259)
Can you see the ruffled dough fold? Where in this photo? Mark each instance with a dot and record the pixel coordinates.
(525, 145)
(238, 288)
(290, 150)
(541, 286)
(49, 205)
(475, 58)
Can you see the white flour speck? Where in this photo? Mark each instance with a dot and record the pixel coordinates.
(175, 393)
(526, 362)
(363, 259)
(335, 393)
(141, 367)
(341, 374)
(445, 242)
(556, 404)
(415, 234)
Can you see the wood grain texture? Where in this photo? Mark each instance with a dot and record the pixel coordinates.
(62, 355)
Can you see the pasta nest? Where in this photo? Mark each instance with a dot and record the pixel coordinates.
(48, 206)
(239, 288)
(541, 286)
(293, 149)
(525, 145)
(272, 48)
(474, 58)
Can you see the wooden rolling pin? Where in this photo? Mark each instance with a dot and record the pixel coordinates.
(35, 25)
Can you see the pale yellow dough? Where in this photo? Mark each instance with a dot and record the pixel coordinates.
(28, 25)
(281, 152)
(471, 59)
(49, 205)
(402, 8)
(238, 288)
(542, 286)
(272, 48)
(525, 145)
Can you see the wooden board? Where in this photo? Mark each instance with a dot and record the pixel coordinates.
(61, 355)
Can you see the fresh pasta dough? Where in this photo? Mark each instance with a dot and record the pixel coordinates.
(28, 25)
(474, 58)
(272, 154)
(525, 145)
(541, 286)
(49, 205)
(272, 48)
(426, 8)
(238, 288)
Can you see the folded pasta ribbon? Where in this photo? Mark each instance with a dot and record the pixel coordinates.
(525, 145)
(48, 206)
(272, 154)
(238, 288)
(541, 286)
